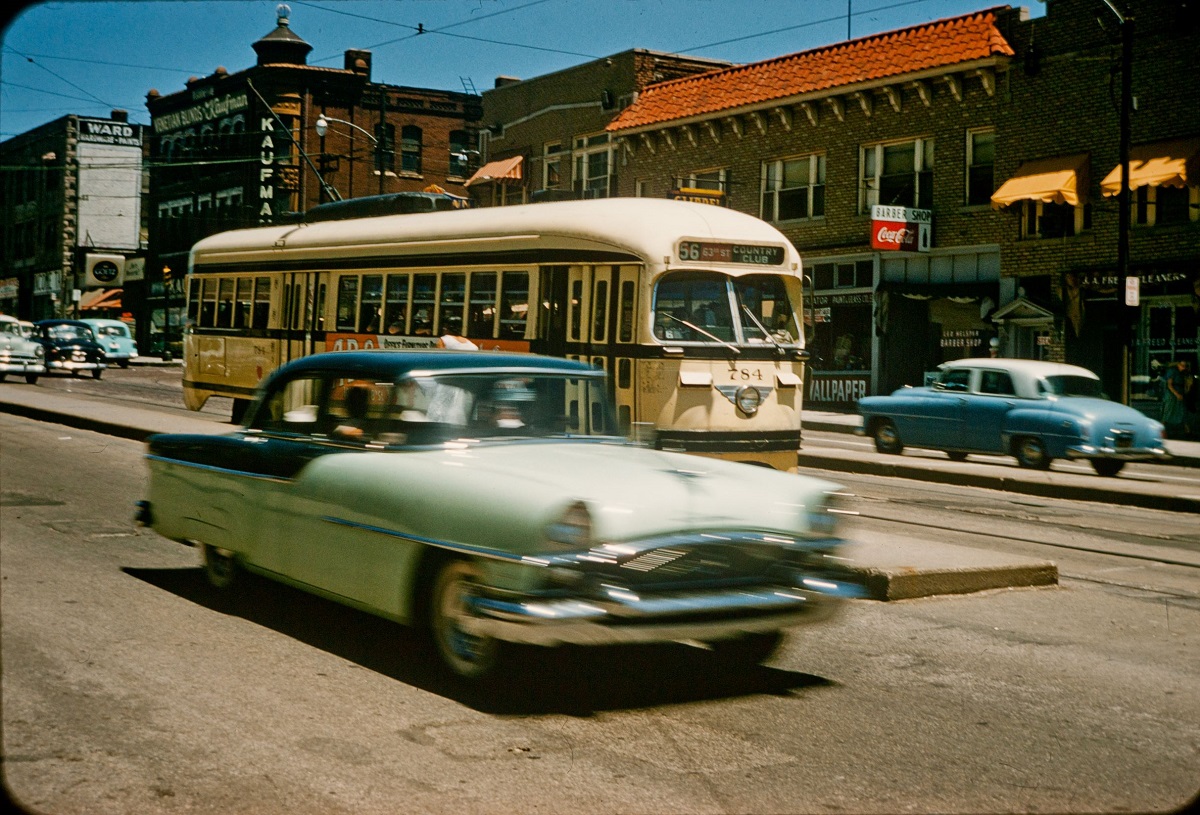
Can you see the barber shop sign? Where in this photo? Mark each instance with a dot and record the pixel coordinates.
(901, 229)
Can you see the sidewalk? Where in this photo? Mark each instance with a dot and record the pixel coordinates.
(893, 566)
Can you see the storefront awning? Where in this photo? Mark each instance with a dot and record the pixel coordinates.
(100, 299)
(1163, 164)
(506, 169)
(1060, 180)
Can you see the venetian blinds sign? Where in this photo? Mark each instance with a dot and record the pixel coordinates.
(901, 229)
(731, 253)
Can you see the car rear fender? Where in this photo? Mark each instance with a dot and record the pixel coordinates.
(1055, 429)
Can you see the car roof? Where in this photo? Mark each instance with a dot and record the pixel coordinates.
(1031, 367)
(394, 364)
(62, 321)
(101, 321)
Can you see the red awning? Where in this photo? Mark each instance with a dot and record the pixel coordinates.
(505, 169)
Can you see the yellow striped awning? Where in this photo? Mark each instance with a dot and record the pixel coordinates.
(505, 169)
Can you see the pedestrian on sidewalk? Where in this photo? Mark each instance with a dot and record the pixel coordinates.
(1179, 400)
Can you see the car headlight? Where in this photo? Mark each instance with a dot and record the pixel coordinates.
(748, 399)
(572, 528)
(39, 351)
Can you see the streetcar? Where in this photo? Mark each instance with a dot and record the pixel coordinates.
(695, 311)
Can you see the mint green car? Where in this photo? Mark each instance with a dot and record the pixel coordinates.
(488, 497)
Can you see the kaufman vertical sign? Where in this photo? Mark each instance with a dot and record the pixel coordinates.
(901, 229)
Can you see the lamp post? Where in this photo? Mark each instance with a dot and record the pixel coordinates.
(1123, 217)
(322, 127)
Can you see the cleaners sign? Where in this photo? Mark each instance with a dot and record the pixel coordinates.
(900, 229)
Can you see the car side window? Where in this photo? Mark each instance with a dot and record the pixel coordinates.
(997, 382)
(955, 379)
(291, 407)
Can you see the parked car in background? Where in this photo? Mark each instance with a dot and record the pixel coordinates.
(18, 354)
(70, 347)
(1035, 411)
(116, 339)
(488, 497)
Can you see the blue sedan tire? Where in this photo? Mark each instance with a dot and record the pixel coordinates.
(1107, 467)
(470, 656)
(1030, 452)
(887, 438)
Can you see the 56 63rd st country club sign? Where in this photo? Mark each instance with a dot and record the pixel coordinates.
(901, 229)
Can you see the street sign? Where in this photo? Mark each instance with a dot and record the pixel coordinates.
(1132, 291)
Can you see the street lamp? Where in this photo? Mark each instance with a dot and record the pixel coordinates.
(322, 127)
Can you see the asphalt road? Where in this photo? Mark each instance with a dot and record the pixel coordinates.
(129, 686)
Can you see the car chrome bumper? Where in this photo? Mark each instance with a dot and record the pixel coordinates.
(16, 366)
(1088, 451)
(624, 617)
(73, 365)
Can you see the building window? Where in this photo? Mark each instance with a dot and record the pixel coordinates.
(1049, 220)
(460, 147)
(1164, 205)
(981, 164)
(591, 166)
(705, 180)
(410, 149)
(896, 174)
(793, 188)
(552, 166)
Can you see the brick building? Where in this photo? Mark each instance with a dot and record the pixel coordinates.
(544, 138)
(241, 149)
(998, 130)
(71, 205)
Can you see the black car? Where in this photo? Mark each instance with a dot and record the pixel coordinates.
(71, 347)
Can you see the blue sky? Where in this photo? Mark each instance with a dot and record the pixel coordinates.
(90, 56)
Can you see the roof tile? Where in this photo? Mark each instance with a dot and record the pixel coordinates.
(939, 44)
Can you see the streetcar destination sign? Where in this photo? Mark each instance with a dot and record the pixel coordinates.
(731, 253)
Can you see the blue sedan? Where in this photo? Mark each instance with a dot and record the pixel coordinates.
(1035, 411)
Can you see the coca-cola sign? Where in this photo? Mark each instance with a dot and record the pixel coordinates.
(901, 229)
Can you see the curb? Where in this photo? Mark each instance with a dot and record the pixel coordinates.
(910, 584)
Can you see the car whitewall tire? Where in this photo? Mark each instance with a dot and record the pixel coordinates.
(468, 655)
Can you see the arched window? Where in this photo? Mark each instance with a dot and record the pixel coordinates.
(410, 149)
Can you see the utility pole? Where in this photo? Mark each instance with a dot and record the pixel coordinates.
(1130, 307)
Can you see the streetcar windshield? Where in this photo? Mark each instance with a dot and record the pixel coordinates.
(709, 307)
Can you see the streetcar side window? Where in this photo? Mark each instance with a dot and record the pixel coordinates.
(395, 309)
(450, 315)
(262, 302)
(244, 305)
(194, 302)
(225, 304)
(371, 310)
(481, 312)
(514, 304)
(347, 303)
(424, 294)
(208, 303)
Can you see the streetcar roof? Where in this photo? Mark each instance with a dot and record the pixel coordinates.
(619, 229)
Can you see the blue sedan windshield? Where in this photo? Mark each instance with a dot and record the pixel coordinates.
(1071, 386)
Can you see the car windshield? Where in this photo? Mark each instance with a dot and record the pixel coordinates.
(1066, 385)
(10, 328)
(69, 332)
(709, 307)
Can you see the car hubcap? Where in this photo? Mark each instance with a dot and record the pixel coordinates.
(468, 654)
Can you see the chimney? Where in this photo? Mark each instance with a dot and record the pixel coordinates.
(501, 81)
(120, 116)
(358, 61)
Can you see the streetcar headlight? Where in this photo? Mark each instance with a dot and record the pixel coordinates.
(573, 528)
(748, 399)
